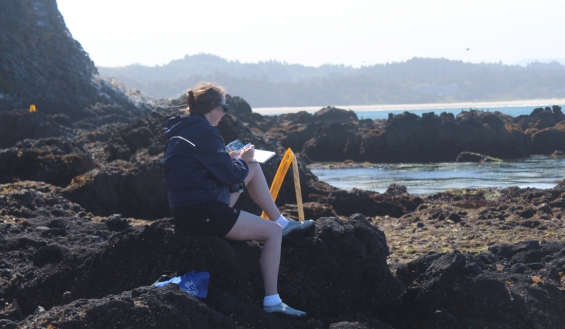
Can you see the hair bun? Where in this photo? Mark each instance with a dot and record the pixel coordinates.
(190, 98)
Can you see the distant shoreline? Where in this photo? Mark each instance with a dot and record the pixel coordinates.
(396, 107)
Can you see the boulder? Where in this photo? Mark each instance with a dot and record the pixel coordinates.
(510, 286)
(52, 160)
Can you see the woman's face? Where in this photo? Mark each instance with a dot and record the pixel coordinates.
(216, 114)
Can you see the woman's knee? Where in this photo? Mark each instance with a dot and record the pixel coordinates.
(274, 230)
(254, 170)
(254, 166)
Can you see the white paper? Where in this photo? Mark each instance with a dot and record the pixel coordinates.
(262, 156)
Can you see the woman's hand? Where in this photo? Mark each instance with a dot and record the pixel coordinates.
(234, 155)
(248, 153)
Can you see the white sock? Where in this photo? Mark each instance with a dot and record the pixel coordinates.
(283, 222)
(272, 300)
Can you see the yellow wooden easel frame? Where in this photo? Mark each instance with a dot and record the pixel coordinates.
(287, 159)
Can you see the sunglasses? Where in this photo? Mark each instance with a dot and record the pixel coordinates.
(224, 106)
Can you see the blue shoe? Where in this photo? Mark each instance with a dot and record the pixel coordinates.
(294, 225)
(284, 309)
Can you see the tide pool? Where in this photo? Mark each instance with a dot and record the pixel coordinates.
(419, 178)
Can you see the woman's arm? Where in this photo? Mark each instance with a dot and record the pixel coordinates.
(213, 156)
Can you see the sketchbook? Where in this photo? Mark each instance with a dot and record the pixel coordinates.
(261, 156)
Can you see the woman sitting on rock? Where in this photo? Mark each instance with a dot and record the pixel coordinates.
(204, 181)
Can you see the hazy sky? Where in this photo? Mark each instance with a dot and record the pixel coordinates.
(312, 32)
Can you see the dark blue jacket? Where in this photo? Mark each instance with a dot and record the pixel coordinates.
(198, 168)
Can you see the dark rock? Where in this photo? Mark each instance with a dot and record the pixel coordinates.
(540, 118)
(49, 254)
(558, 113)
(549, 140)
(67, 297)
(371, 203)
(7, 324)
(55, 161)
(44, 76)
(117, 223)
(167, 307)
(57, 223)
(332, 114)
(43, 65)
(356, 325)
(454, 217)
(395, 189)
(460, 291)
(39, 310)
(107, 190)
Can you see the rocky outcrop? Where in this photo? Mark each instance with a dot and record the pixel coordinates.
(333, 134)
(509, 286)
(76, 249)
(41, 64)
(68, 268)
(131, 189)
(34, 70)
(540, 118)
(72, 256)
(548, 140)
(64, 267)
(51, 160)
(409, 138)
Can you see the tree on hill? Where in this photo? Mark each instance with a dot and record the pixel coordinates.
(419, 80)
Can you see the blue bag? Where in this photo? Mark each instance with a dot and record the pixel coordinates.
(194, 283)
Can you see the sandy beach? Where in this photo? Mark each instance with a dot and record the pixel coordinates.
(387, 107)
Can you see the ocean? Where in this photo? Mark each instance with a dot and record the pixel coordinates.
(383, 114)
(424, 178)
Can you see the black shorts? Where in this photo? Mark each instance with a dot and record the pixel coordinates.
(212, 217)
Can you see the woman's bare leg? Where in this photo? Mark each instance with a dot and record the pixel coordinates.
(251, 227)
(259, 191)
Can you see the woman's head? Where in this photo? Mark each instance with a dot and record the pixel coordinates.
(205, 97)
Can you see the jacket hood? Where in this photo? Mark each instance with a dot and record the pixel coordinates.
(176, 123)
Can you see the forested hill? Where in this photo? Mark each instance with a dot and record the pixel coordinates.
(419, 80)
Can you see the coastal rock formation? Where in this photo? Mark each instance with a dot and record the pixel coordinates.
(34, 70)
(509, 286)
(85, 227)
(52, 160)
(333, 134)
(61, 260)
(81, 254)
(540, 118)
(41, 64)
(549, 140)
(65, 267)
(409, 138)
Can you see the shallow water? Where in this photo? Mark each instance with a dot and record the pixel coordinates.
(536, 171)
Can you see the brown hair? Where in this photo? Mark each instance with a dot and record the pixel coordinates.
(204, 97)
